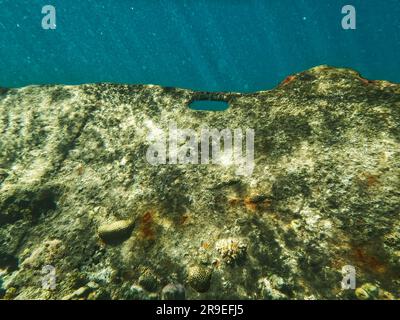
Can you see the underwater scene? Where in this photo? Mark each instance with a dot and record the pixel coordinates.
(199, 150)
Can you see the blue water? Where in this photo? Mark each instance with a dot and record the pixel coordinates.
(229, 45)
(209, 105)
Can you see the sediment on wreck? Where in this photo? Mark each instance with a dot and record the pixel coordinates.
(324, 192)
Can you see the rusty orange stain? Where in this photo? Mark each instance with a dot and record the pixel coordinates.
(372, 180)
(253, 205)
(368, 261)
(183, 219)
(367, 82)
(288, 79)
(146, 226)
(234, 201)
(368, 179)
(205, 245)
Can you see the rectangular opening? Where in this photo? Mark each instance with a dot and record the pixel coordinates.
(208, 105)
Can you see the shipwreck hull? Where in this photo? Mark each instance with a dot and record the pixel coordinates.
(324, 193)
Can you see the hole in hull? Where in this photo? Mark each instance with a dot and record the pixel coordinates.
(208, 105)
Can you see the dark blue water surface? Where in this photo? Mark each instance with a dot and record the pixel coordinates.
(235, 45)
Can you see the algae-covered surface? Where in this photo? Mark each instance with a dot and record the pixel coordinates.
(78, 196)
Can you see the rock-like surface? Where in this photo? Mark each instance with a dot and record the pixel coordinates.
(325, 191)
(115, 232)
